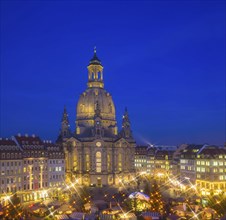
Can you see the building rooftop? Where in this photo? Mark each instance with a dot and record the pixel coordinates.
(212, 152)
(162, 154)
(29, 142)
(142, 150)
(8, 145)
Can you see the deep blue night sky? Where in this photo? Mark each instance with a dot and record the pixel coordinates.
(164, 60)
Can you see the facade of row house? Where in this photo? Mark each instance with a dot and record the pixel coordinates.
(26, 167)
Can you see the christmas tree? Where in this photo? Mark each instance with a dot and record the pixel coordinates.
(156, 201)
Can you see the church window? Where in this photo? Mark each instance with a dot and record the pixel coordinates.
(87, 162)
(115, 130)
(98, 162)
(109, 162)
(75, 163)
(120, 162)
(92, 76)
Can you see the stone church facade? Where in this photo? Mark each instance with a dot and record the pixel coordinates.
(96, 153)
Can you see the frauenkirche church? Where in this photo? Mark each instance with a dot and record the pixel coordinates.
(96, 153)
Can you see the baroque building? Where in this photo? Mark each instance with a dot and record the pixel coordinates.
(96, 153)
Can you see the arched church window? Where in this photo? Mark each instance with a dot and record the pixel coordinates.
(98, 162)
(87, 162)
(120, 161)
(93, 76)
(75, 161)
(109, 162)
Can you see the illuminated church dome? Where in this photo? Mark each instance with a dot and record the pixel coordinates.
(96, 153)
(87, 104)
(95, 100)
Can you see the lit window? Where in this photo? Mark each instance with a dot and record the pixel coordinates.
(221, 177)
(120, 162)
(109, 162)
(98, 162)
(87, 162)
(215, 163)
(203, 169)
